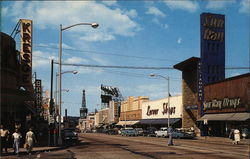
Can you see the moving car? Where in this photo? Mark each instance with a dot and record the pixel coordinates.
(69, 135)
(182, 133)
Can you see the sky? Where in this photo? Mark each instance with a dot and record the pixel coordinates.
(130, 33)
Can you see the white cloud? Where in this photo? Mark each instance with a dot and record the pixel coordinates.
(49, 14)
(101, 36)
(132, 13)
(75, 60)
(187, 5)
(235, 74)
(179, 41)
(156, 21)
(40, 58)
(244, 6)
(155, 11)
(110, 3)
(218, 4)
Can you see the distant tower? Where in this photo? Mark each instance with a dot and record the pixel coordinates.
(83, 109)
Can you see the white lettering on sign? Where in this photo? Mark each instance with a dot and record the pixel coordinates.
(222, 103)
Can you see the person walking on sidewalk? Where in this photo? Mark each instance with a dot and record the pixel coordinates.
(29, 140)
(236, 136)
(4, 138)
(17, 137)
(170, 137)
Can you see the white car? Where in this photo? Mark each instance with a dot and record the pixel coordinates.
(163, 132)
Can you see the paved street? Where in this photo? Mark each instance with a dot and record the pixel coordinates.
(101, 146)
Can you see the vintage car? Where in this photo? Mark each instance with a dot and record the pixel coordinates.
(182, 133)
(69, 135)
(139, 131)
(163, 132)
(128, 132)
(149, 132)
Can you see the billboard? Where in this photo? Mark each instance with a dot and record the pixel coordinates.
(26, 54)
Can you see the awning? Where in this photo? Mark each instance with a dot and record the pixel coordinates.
(127, 122)
(159, 121)
(226, 116)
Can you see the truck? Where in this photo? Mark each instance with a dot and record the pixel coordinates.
(163, 132)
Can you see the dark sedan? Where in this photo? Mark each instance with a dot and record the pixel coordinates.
(69, 135)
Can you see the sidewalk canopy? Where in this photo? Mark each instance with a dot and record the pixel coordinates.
(127, 122)
(159, 121)
(226, 116)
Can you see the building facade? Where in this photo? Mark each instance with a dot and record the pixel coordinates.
(131, 110)
(227, 105)
(157, 112)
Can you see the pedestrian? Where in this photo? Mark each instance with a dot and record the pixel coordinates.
(29, 140)
(4, 138)
(231, 135)
(236, 136)
(17, 137)
(170, 136)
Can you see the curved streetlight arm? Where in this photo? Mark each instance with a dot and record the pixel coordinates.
(74, 72)
(166, 78)
(94, 25)
(154, 75)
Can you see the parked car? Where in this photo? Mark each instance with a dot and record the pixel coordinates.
(139, 131)
(183, 133)
(69, 135)
(128, 132)
(149, 132)
(112, 131)
(163, 132)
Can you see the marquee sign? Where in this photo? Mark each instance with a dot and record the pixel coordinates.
(26, 53)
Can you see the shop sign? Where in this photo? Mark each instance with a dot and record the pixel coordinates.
(26, 53)
(211, 22)
(222, 103)
(166, 110)
(38, 92)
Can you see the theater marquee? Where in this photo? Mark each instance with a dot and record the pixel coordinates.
(26, 53)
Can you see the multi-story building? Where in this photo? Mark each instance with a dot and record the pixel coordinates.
(131, 110)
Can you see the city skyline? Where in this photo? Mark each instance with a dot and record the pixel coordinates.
(134, 33)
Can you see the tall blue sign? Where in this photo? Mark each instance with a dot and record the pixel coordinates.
(212, 39)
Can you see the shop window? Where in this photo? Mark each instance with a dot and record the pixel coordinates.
(208, 69)
(208, 46)
(208, 79)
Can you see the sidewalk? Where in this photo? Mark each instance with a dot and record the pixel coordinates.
(35, 150)
(212, 139)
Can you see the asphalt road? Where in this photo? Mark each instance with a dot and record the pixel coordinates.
(101, 146)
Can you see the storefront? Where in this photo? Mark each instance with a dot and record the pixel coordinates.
(157, 113)
(226, 106)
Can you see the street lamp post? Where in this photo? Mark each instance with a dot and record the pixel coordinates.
(94, 25)
(166, 78)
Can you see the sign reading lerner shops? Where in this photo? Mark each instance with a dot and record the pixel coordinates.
(222, 103)
(26, 53)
